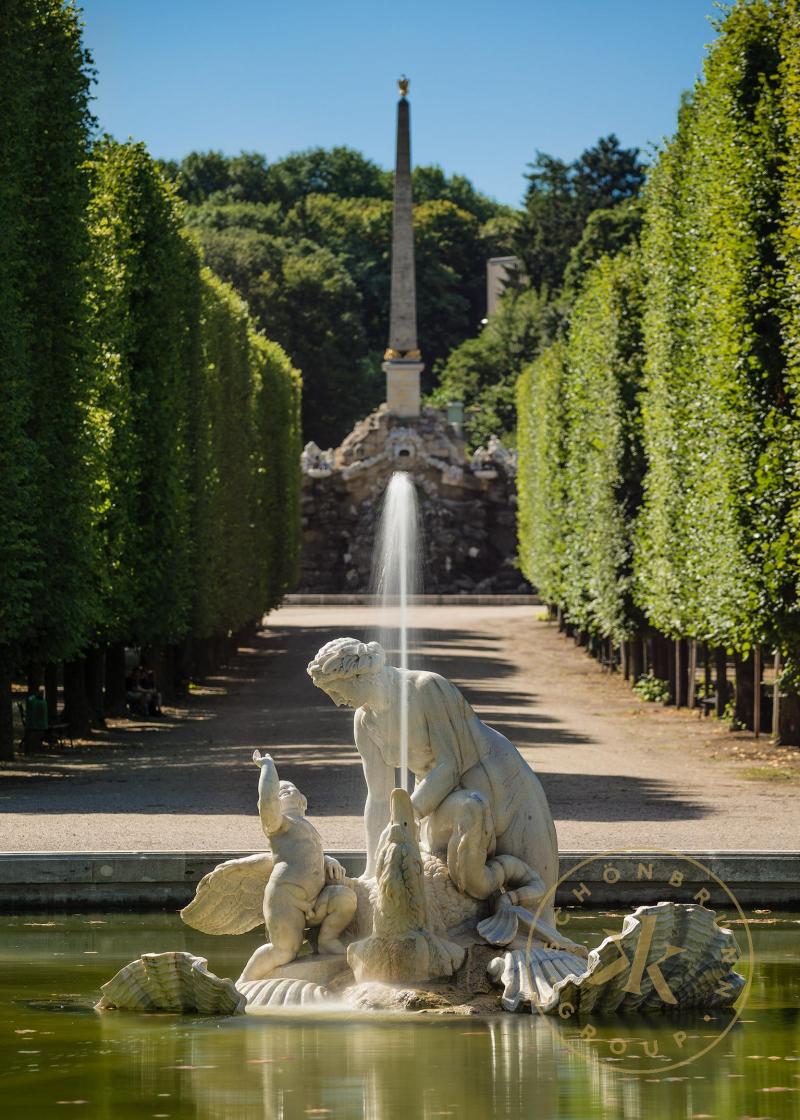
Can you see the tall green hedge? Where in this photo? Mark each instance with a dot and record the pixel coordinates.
(278, 432)
(678, 493)
(144, 308)
(246, 455)
(541, 486)
(580, 454)
(149, 466)
(603, 450)
(789, 255)
(713, 544)
(45, 75)
(198, 415)
(47, 603)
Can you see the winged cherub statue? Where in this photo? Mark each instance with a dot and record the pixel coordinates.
(293, 886)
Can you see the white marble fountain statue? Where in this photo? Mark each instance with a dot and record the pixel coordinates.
(454, 912)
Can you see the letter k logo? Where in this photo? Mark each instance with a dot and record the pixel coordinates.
(637, 967)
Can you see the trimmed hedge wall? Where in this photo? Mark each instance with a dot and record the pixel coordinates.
(664, 486)
(149, 467)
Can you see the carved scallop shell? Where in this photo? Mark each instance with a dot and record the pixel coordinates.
(501, 927)
(527, 977)
(277, 993)
(171, 982)
(684, 960)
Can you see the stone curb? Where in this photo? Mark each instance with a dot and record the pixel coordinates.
(419, 600)
(166, 880)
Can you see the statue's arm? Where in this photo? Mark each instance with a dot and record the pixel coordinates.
(380, 783)
(446, 774)
(434, 787)
(269, 806)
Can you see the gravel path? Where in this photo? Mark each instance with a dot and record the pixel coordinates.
(619, 773)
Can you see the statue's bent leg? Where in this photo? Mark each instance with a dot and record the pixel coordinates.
(334, 910)
(462, 827)
(285, 909)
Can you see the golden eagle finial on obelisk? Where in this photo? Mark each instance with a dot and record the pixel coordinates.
(402, 85)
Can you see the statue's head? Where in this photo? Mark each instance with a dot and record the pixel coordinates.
(291, 799)
(347, 669)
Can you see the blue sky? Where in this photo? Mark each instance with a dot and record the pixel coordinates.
(490, 83)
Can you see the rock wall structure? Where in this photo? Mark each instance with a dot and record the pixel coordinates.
(467, 506)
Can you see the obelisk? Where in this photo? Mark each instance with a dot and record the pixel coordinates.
(402, 364)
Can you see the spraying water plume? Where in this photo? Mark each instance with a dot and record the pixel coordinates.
(396, 582)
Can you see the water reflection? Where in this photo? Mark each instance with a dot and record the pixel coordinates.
(244, 1068)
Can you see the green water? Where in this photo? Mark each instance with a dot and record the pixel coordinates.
(60, 1058)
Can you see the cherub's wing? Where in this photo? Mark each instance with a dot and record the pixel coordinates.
(230, 899)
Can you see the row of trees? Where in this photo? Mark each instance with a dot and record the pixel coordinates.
(659, 440)
(573, 213)
(149, 460)
(306, 240)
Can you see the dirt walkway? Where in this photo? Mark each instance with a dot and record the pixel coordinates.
(617, 771)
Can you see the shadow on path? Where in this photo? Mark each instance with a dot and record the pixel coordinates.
(195, 762)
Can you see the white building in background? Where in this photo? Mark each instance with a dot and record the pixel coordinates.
(499, 272)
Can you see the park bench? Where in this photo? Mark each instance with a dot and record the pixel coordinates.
(56, 734)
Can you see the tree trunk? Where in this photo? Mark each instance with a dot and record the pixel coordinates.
(34, 677)
(625, 658)
(6, 705)
(165, 673)
(757, 691)
(706, 675)
(95, 673)
(743, 701)
(776, 700)
(660, 657)
(204, 657)
(671, 676)
(115, 700)
(721, 658)
(560, 620)
(789, 719)
(691, 699)
(51, 690)
(183, 659)
(637, 656)
(76, 703)
(789, 708)
(679, 672)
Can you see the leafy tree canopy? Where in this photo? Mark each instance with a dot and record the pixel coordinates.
(561, 196)
(306, 241)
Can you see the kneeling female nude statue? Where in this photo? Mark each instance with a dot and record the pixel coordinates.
(480, 805)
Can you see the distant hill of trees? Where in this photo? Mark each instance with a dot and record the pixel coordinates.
(307, 241)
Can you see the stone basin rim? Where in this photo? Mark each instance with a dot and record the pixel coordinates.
(165, 879)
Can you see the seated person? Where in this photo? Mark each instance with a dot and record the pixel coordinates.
(148, 685)
(135, 693)
(36, 719)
